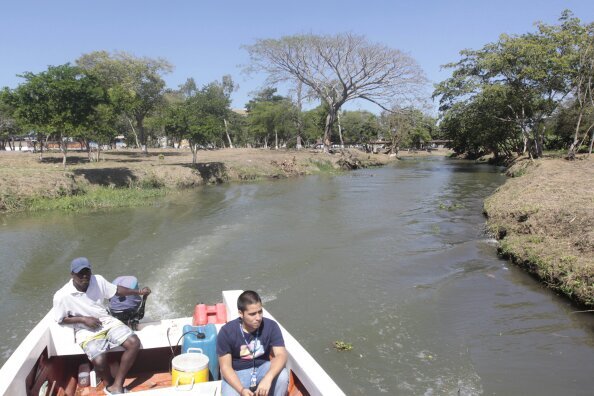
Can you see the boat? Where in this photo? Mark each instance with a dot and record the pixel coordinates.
(47, 362)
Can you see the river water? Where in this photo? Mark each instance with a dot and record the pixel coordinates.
(393, 260)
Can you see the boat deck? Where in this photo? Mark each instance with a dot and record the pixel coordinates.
(155, 383)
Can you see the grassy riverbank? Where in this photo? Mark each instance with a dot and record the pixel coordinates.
(544, 218)
(129, 178)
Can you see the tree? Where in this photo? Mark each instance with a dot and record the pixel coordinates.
(533, 70)
(339, 69)
(359, 126)
(61, 101)
(314, 122)
(103, 127)
(270, 115)
(135, 85)
(576, 42)
(569, 126)
(475, 126)
(8, 124)
(408, 127)
(196, 115)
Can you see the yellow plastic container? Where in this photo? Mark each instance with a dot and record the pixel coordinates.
(189, 368)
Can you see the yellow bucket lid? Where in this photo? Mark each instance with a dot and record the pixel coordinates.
(190, 362)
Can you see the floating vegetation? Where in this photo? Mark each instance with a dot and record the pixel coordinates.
(450, 206)
(343, 346)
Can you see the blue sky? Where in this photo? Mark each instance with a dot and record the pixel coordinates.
(203, 39)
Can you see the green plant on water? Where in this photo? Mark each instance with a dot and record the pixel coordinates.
(343, 346)
(450, 207)
(435, 229)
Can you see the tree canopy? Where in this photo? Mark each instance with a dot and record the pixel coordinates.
(134, 84)
(339, 68)
(518, 83)
(197, 115)
(59, 101)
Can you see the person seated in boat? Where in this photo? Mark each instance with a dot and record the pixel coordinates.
(80, 304)
(251, 351)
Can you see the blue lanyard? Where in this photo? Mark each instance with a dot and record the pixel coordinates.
(248, 345)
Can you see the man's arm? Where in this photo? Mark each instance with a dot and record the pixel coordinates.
(231, 376)
(277, 364)
(62, 316)
(124, 291)
(89, 321)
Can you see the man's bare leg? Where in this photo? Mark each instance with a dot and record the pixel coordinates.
(132, 346)
(101, 366)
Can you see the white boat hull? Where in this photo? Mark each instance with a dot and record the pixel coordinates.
(59, 341)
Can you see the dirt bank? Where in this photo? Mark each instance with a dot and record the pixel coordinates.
(544, 218)
(25, 180)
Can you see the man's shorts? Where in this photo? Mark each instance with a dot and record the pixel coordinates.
(112, 334)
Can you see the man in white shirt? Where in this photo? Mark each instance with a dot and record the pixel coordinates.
(80, 305)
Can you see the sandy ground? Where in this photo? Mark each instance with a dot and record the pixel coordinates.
(544, 217)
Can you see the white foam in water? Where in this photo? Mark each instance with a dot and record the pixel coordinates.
(491, 241)
(268, 297)
(179, 263)
(469, 386)
(271, 295)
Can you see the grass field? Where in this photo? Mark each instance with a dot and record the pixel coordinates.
(130, 178)
(544, 218)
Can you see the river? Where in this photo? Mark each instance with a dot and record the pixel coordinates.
(392, 260)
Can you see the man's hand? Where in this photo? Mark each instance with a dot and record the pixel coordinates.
(91, 323)
(263, 387)
(145, 291)
(246, 392)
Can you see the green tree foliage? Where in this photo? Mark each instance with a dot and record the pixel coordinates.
(314, 122)
(271, 116)
(219, 100)
(135, 85)
(569, 127)
(359, 127)
(60, 101)
(197, 115)
(523, 79)
(576, 41)
(407, 127)
(238, 125)
(475, 127)
(8, 124)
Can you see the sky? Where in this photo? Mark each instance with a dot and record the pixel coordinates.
(203, 39)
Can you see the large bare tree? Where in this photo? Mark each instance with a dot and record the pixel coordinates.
(339, 68)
